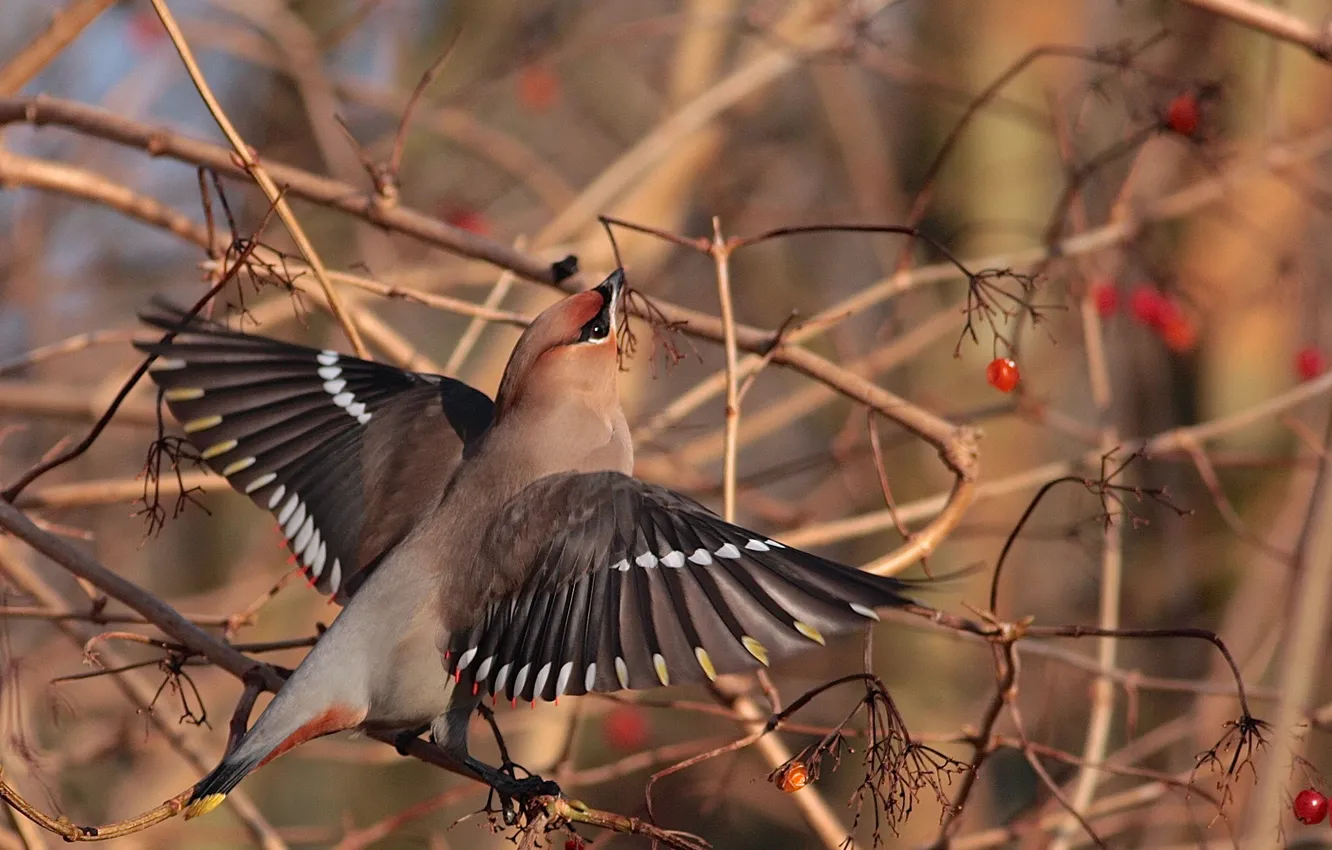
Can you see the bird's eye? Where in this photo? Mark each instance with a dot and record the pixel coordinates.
(595, 330)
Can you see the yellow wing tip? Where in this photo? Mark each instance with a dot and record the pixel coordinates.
(810, 632)
(756, 649)
(204, 805)
(705, 661)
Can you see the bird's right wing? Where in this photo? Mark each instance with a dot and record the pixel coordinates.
(629, 585)
(345, 453)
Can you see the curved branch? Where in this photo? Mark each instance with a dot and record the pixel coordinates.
(71, 832)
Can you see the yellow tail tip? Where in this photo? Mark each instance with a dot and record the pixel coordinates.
(204, 805)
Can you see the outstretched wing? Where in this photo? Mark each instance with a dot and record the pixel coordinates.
(344, 452)
(629, 585)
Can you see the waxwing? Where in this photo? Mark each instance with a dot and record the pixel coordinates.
(483, 549)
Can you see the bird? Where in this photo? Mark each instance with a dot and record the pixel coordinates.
(483, 548)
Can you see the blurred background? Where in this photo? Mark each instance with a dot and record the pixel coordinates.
(1183, 157)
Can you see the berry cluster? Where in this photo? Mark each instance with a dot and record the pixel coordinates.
(1156, 310)
(1153, 309)
(1310, 806)
(1164, 314)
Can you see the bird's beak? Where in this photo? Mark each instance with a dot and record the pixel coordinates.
(610, 290)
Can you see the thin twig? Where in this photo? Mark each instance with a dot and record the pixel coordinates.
(66, 25)
(1156, 446)
(56, 460)
(1305, 638)
(137, 691)
(1097, 738)
(358, 839)
(1024, 742)
(400, 137)
(251, 165)
(721, 257)
(775, 752)
(472, 334)
(1273, 21)
(70, 345)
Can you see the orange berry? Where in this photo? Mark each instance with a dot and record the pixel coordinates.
(795, 777)
(1002, 374)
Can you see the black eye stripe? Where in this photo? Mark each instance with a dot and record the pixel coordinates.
(599, 326)
(595, 330)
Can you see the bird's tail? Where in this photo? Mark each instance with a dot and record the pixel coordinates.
(287, 722)
(209, 793)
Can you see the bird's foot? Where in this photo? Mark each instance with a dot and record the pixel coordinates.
(516, 793)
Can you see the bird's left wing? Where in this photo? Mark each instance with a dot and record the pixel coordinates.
(629, 585)
(345, 453)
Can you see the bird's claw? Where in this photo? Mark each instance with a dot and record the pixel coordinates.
(517, 793)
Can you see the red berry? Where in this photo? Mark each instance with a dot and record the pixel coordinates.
(1105, 297)
(574, 843)
(145, 31)
(1002, 374)
(1178, 331)
(1168, 312)
(1147, 305)
(1182, 114)
(1309, 363)
(538, 87)
(626, 728)
(1310, 807)
(795, 777)
(1158, 311)
(468, 219)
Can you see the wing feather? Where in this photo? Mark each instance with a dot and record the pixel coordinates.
(320, 439)
(623, 584)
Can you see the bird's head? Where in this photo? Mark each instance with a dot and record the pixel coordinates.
(570, 348)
